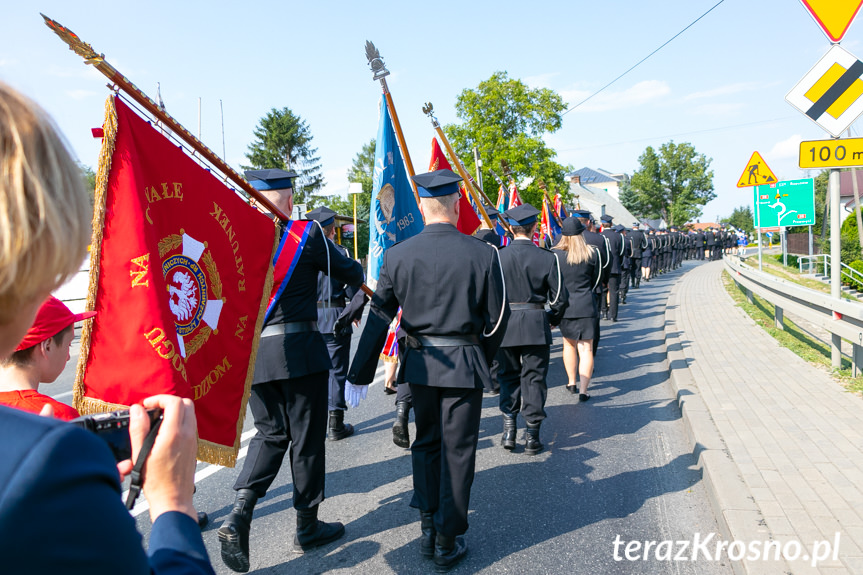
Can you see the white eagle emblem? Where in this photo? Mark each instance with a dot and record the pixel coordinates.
(183, 299)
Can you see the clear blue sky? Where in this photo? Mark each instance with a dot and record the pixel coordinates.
(720, 86)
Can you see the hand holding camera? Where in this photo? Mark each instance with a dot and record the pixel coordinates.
(170, 470)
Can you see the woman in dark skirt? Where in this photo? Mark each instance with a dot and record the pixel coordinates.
(646, 257)
(579, 264)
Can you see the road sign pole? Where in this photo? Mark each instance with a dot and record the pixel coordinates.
(758, 215)
(835, 261)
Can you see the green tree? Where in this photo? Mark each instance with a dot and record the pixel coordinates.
(90, 178)
(506, 120)
(741, 218)
(361, 172)
(673, 184)
(283, 141)
(849, 241)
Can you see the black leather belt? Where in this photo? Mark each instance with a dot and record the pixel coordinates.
(336, 303)
(421, 341)
(289, 328)
(523, 306)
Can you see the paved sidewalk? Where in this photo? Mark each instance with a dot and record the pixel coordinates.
(781, 443)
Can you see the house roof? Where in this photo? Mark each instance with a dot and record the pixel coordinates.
(600, 202)
(589, 176)
(702, 225)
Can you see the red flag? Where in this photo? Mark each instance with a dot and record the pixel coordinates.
(543, 222)
(468, 221)
(514, 198)
(180, 271)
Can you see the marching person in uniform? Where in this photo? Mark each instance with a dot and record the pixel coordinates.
(333, 297)
(611, 290)
(532, 280)
(625, 262)
(289, 389)
(638, 243)
(454, 314)
(580, 266)
(599, 242)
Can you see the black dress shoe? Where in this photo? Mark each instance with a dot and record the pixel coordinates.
(573, 389)
(448, 552)
(203, 519)
(583, 397)
(390, 390)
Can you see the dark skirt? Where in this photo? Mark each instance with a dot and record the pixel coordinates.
(645, 261)
(578, 328)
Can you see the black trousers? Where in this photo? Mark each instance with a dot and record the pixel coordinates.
(635, 275)
(403, 393)
(493, 385)
(444, 453)
(340, 351)
(623, 287)
(699, 253)
(613, 290)
(291, 417)
(523, 388)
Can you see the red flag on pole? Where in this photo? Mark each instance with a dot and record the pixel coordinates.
(180, 269)
(468, 221)
(514, 198)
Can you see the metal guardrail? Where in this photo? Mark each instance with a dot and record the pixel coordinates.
(813, 263)
(842, 318)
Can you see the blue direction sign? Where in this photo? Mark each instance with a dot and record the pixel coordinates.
(788, 203)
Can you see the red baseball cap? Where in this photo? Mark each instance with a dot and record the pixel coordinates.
(52, 318)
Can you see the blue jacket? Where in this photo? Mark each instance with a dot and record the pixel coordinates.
(61, 512)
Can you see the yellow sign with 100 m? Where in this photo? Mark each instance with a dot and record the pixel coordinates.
(831, 153)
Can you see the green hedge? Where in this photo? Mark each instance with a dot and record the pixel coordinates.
(792, 260)
(854, 283)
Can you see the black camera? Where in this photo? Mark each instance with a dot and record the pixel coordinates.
(113, 427)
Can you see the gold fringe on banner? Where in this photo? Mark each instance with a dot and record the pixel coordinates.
(389, 359)
(227, 456)
(109, 139)
(89, 406)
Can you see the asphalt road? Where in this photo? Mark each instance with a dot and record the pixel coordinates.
(618, 465)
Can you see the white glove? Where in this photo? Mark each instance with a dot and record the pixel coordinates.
(355, 393)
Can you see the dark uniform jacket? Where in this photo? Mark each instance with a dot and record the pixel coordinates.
(709, 238)
(299, 354)
(603, 251)
(532, 276)
(448, 284)
(61, 510)
(580, 281)
(333, 297)
(615, 248)
(638, 241)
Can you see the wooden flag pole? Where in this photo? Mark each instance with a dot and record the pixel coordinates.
(468, 182)
(544, 189)
(122, 83)
(376, 63)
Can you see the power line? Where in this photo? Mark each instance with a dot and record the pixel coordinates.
(643, 59)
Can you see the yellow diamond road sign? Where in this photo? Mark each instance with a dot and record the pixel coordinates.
(756, 173)
(834, 16)
(829, 93)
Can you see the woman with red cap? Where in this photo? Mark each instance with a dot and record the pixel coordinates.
(40, 358)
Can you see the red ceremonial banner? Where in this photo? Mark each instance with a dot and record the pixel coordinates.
(468, 221)
(180, 270)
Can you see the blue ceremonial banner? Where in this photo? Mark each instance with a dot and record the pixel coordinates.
(394, 214)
